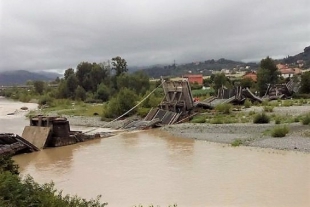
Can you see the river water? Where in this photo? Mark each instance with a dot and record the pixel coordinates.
(153, 167)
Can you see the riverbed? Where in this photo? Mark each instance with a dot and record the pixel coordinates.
(156, 167)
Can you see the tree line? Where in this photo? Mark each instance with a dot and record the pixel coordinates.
(108, 82)
(112, 84)
(267, 74)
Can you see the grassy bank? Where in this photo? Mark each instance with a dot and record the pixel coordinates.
(70, 108)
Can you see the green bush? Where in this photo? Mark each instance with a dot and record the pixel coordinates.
(237, 142)
(268, 108)
(277, 121)
(247, 103)
(24, 97)
(46, 100)
(306, 120)
(297, 119)
(261, 119)
(121, 104)
(7, 164)
(280, 131)
(224, 108)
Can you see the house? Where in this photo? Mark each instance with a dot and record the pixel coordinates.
(194, 78)
(250, 75)
(287, 72)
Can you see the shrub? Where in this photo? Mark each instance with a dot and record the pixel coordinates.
(296, 119)
(45, 100)
(261, 119)
(306, 120)
(224, 108)
(237, 142)
(280, 131)
(7, 164)
(24, 97)
(122, 103)
(268, 108)
(251, 113)
(247, 103)
(277, 121)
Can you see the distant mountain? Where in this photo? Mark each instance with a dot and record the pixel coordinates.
(199, 67)
(20, 77)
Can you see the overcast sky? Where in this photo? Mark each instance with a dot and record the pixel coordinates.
(59, 34)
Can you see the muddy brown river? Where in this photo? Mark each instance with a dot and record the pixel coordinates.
(152, 167)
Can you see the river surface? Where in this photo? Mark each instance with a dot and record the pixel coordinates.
(153, 167)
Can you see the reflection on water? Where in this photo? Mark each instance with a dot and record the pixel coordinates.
(153, 167)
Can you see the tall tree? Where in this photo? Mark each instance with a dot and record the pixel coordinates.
(305, 83)
(267, 74)
(72, 84)
(98, 74)
(119, 65)
(219, 81)
(83, 71)
(80, 93)
(39, 86)
(68, 72)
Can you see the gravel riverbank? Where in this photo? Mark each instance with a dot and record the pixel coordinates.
(255, 135)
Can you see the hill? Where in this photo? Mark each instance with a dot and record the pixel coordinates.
(201, 67)
(301, 58)
(207, 67)
(20, 77)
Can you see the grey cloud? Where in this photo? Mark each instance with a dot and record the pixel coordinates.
(59, 34)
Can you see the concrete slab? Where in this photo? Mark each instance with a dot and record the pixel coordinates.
(36, 135)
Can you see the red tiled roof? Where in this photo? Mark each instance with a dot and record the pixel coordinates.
(251, 75)
(193, 76)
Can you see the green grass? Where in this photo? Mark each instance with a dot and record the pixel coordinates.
(75, 109)
(202, 92)
(287, 103)
(199, 119)
(216, 120)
